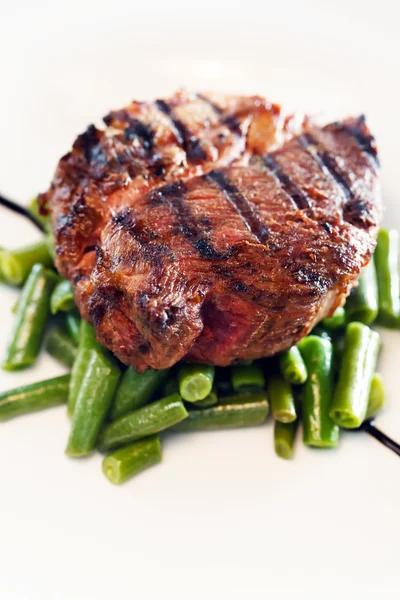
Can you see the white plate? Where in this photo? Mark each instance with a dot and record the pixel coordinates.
(222, 515)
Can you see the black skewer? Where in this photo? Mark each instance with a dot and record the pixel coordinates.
(20, 210)
(369, 427)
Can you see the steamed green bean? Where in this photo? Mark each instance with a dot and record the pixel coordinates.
(376, 398)
(15, 265)
(135, 390)
(350, 401)
(386, 259)
(318, 429)
(247, 378)
(234, 411)
(144, 421)
(92, 403)
(130, 460)
(30, 320)
(284, 438)
(281, 398)
(362, 304)
(292, 366)
(195, 381)
(33, 397)
(62, 298)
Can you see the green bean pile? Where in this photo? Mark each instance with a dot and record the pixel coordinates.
(327, 382)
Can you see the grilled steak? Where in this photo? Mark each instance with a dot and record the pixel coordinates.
(200, 228)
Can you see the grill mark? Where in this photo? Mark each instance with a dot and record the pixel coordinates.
(151, 250)
(296, 194)
(135, 128)
(326, 162)
(230, 121)
(364, 140)
(173, 195)
(355, 210)
(185, 138)
(243, 207)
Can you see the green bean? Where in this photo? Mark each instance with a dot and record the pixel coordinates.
(318, 429)
(195, 381)
(92, 403)
(336, 321)
(233, 411)
(43, 220)
(34, 397)
(280, 395)
(284, 437)
(61, 347)
(143, 422)
(247, 378)
(350, 401)
(210, 400)
(87, 344)
(386, 259)
(362, 304)
(136, 390)
(15, 265)
(130, 460)
(73, 324)
(376, 398)
(292, 366)
(30, 320)
(62, 297)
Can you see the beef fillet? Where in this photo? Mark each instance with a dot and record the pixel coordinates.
(213, 228)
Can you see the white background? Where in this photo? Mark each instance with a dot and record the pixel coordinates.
(221, 517)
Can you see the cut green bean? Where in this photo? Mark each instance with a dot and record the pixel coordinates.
(284, 438)
(195, 381)
(33, 397)
(15, 265)
(62, 298)
(247, 378)
(30, 319)
(336, 321)
(231, 412)
(210, 400)
(386, 259)
(61, 347)
(377, 396)
(92, 403)
(136, 390)
(362, 304)
(350, 401)
(318, 429)
(292, 366)
(281, 398)
(144, 421)
(73, 325)
(87, 344)
(131, 460)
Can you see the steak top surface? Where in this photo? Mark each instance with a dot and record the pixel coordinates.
(213, 228)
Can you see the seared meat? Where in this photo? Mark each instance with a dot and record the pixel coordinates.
(149, 144)
(237, 255)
